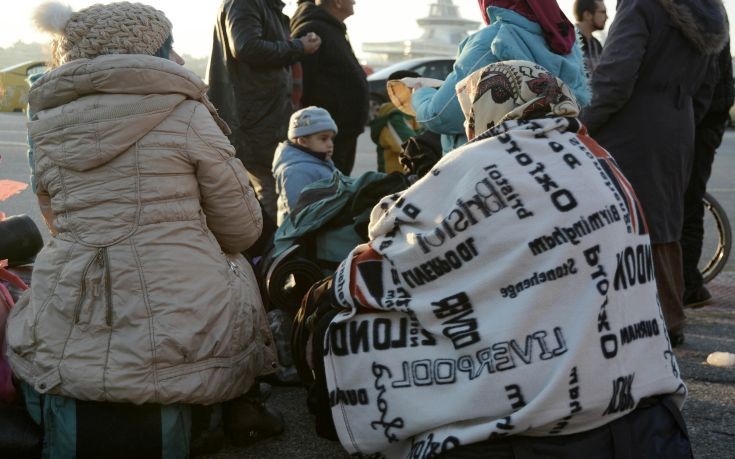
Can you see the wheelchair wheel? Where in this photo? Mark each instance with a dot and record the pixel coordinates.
(717, 239)
(289, 277)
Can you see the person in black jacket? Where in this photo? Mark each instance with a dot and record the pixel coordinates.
(333, 78)
(249, 75)
(707, 137)
(648, 95)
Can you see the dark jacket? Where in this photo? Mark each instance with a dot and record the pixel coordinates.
(249, 69)
(333, 78)
(649, 91)
(591, 50)
(712, 126)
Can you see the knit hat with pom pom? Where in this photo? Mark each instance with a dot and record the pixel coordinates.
(115, 28)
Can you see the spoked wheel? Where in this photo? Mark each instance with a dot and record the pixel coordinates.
(717, 239)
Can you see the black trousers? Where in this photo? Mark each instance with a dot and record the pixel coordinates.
(655, 429)
(258, 161)
(345, 147)
(692, 232)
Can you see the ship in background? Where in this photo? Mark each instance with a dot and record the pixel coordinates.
(443, 29)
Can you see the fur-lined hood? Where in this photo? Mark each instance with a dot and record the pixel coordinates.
(703, 22)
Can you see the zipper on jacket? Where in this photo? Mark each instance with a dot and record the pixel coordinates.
(83, 285)
(102, 260)
(108, 287)
(236, 269)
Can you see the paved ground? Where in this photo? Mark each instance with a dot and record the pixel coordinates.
(709, 411)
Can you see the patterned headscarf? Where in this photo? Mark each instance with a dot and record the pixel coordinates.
(512, 90)
(558, 30)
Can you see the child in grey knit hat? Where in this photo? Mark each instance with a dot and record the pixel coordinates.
(305, 157)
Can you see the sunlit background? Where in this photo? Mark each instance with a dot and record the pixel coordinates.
(374, 20)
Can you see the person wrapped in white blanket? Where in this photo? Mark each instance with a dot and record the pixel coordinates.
(506, 303)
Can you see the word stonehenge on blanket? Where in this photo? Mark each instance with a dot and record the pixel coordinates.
(566, 269)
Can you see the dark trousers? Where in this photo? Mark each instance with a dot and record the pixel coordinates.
(692, 232)
(258, 161)
(655, 429)
(670, 283)
(345, 147)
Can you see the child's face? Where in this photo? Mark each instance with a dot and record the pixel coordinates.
(321, 142)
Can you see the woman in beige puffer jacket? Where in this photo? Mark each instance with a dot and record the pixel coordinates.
(136, 298)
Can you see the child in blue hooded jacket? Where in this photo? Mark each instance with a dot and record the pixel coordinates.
(305, 157)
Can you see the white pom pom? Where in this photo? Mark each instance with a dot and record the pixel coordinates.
(52, 17)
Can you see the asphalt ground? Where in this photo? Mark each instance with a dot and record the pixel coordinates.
(709, 410)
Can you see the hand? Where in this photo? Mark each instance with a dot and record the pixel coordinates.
(421, 82)
(412, 83)
(311, 42)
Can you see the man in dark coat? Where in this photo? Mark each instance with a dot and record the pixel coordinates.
(249, 76)
(648, 92)
(707, 138)
(333, 78)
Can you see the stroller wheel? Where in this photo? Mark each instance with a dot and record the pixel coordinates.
(289, 278)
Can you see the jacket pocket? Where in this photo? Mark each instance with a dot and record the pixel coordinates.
(95, 290)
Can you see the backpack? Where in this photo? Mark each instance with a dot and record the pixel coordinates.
(20, 436)
(10, 285)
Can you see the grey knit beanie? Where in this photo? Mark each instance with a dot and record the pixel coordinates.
(310, 120)
(115, 28)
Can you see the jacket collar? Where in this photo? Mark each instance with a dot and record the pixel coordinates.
(114, 74)
(276, 4)
(119, 74)
(319, 156)
(308, 11)
(703, 22)
(83, 139)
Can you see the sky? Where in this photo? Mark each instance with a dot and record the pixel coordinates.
(374, 20)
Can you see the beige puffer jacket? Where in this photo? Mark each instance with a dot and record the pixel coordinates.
(133, 300)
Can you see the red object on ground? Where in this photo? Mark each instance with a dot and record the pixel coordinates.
(9, 188)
